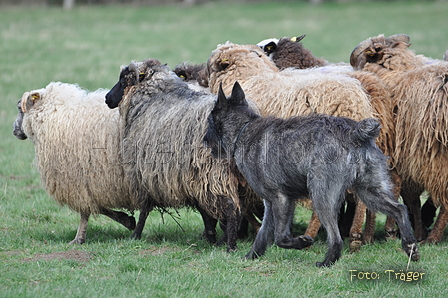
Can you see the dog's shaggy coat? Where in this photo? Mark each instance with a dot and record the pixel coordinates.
(291, 92)
(319, 156)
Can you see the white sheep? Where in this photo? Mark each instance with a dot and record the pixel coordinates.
(76, 140)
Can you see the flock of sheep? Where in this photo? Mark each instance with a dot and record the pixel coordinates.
(149, 153)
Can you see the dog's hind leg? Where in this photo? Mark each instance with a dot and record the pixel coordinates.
(382, 201)
(328, 216)
(265, 235)
(327, 200)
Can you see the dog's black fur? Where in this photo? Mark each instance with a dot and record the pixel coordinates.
(316, 156)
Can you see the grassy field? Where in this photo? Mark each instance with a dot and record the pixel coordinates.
(87, 46)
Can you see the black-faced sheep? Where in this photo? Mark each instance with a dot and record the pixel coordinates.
(76, 140)
(290, 52)
(420, 90)
(164, 124)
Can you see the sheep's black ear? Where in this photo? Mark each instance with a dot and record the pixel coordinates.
(270, 48)
(222, 99)
(238, 97)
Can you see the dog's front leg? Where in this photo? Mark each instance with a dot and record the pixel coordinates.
(265, 235)
(283, 212)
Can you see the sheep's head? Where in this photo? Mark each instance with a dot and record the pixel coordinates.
(188, 72)
(28, 101)
(270, 45)
(373, 49)
(130, 76)
(234, 62)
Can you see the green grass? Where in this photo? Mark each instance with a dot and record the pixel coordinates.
(87, 46)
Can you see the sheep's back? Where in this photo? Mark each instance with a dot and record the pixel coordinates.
(299, 92)
(422, 128)
(165, 157)
(383, 106)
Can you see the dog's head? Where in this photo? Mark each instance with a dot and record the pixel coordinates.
(226, 120)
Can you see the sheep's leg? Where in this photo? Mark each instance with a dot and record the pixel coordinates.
(265, 235)
(243, 229)
(80, 237)
(313, 226)
(144, 211)
(437, 231)
(411, 198)
(390, 227)
(428, 213)
(369, 229)
(233, 218)
(248, 218)
(120, 217)
(356, 228)
(209, 232)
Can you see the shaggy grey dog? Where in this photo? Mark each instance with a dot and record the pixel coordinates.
(317, 156)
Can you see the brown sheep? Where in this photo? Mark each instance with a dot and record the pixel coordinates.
(419, 87)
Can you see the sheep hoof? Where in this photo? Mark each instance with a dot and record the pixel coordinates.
(77, 241)
(429, 240)
(412, 251)
(355, 242)
(391, 235)
(355, 246)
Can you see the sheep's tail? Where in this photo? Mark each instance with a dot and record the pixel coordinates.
(366, 129)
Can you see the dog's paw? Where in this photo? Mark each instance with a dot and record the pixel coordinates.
(304, 241)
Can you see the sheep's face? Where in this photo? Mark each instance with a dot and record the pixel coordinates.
(29, 101)
(373, 50)
(130, 76)
(232, 55)
(188, 72)
(231, 62)
(268, 45)
(17, 126)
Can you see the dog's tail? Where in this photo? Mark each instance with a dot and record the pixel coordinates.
(367, 128)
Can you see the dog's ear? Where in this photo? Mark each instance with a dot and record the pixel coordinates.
(238, 97)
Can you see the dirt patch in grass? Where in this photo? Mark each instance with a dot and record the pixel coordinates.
(75, 255)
